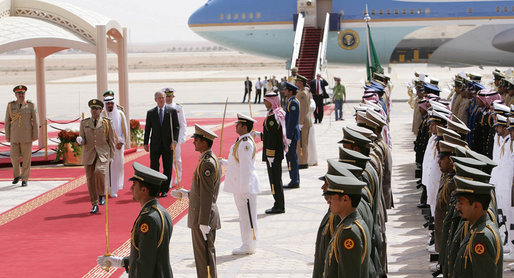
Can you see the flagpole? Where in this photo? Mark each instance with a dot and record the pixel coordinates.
(367, 19)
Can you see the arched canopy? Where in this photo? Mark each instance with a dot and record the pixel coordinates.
(50, 26)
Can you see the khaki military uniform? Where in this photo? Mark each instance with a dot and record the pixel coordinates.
(204, 211)
(305, 119)
(98, 146)
(21, 129)
(349, 250)
(150, 240)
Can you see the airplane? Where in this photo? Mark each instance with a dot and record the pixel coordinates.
(442, 32)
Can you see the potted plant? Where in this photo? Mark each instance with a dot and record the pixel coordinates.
(136, 134)
(68, 149)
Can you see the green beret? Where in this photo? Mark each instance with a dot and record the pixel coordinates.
(469, 173)
(147, 175)
(343, 185)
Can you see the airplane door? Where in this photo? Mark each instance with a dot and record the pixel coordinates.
(308, 8)
(323, 7)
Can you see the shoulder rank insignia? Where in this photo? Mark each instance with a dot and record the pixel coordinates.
(348, 244)
(207, 173)
(479, 248)
(144, 228)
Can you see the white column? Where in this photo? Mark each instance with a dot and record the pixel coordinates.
(123, 73)
(41, 98)
(101, 61)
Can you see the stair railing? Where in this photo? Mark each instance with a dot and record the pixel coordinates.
(297, 39)
(321, 64)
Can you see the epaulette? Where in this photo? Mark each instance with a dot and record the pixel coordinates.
(12, 102)
(86, 119)
(107, 119)
(29, 101)
(245, 138)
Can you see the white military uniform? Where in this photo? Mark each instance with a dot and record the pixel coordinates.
(181, 139)
(242, 181)
(121, 135)
(431, 172)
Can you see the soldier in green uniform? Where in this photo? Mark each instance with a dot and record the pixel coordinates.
(203, 218)
(480, 253)
(151, 233)
(349, 250)
(98, 142)
(21, 129)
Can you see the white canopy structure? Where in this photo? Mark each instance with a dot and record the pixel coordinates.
(49, 27)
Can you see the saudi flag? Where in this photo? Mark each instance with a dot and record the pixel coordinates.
(373, 63)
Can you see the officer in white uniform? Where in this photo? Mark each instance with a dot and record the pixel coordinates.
(170, 95)
(242, 181)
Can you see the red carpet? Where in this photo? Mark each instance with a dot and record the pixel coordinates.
(53, 235)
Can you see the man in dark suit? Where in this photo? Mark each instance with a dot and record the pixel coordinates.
(159, 121)
(248, 89)
(318, 90)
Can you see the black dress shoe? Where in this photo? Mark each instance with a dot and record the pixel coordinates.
(275, 211)
(95, 209)
(164, 194)
(423, 205)
(101, 200)
(303, 166)
(24, 183)
(16, 180)
(291, 185)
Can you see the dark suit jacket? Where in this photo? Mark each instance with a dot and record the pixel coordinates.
(160, 136)
(248, 86)
(312, 85)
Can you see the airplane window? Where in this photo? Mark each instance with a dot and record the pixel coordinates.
(404, 11)
(372, 12)
(221, 16)
(470, 10)
(411, 11)
(395, 11)
(236, 16)
(250, 15)
(506, 9)
(258, 15)
(380, 12)
(427, 10)
(388, 12)
(419, 11)
(243, 16)
(228, 17)
(498, 9)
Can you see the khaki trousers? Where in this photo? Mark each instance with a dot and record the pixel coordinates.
(25, 150)
(95, 175)
(199, 249)
(302, 148)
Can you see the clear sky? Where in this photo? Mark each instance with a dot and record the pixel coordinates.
(148, 21)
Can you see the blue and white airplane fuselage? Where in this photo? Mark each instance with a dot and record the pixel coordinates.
(439, 32)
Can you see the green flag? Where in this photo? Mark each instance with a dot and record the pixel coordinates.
(372, 61)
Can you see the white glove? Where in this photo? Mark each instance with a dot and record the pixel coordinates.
(110, 261)
(222, 161)
(301, 126)
(254, 133)
(270, 160)
(205, 230)
(79, 140)
(180, 193)
(245, 195)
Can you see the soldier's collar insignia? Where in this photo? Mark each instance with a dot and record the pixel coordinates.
(144, 228)
(479, 248)
(348, 244)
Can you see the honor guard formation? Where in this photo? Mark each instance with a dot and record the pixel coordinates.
(465, 161)
(464, 166)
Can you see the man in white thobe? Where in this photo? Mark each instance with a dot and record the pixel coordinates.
(241, 180)
(177, 160)
(122, 137)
